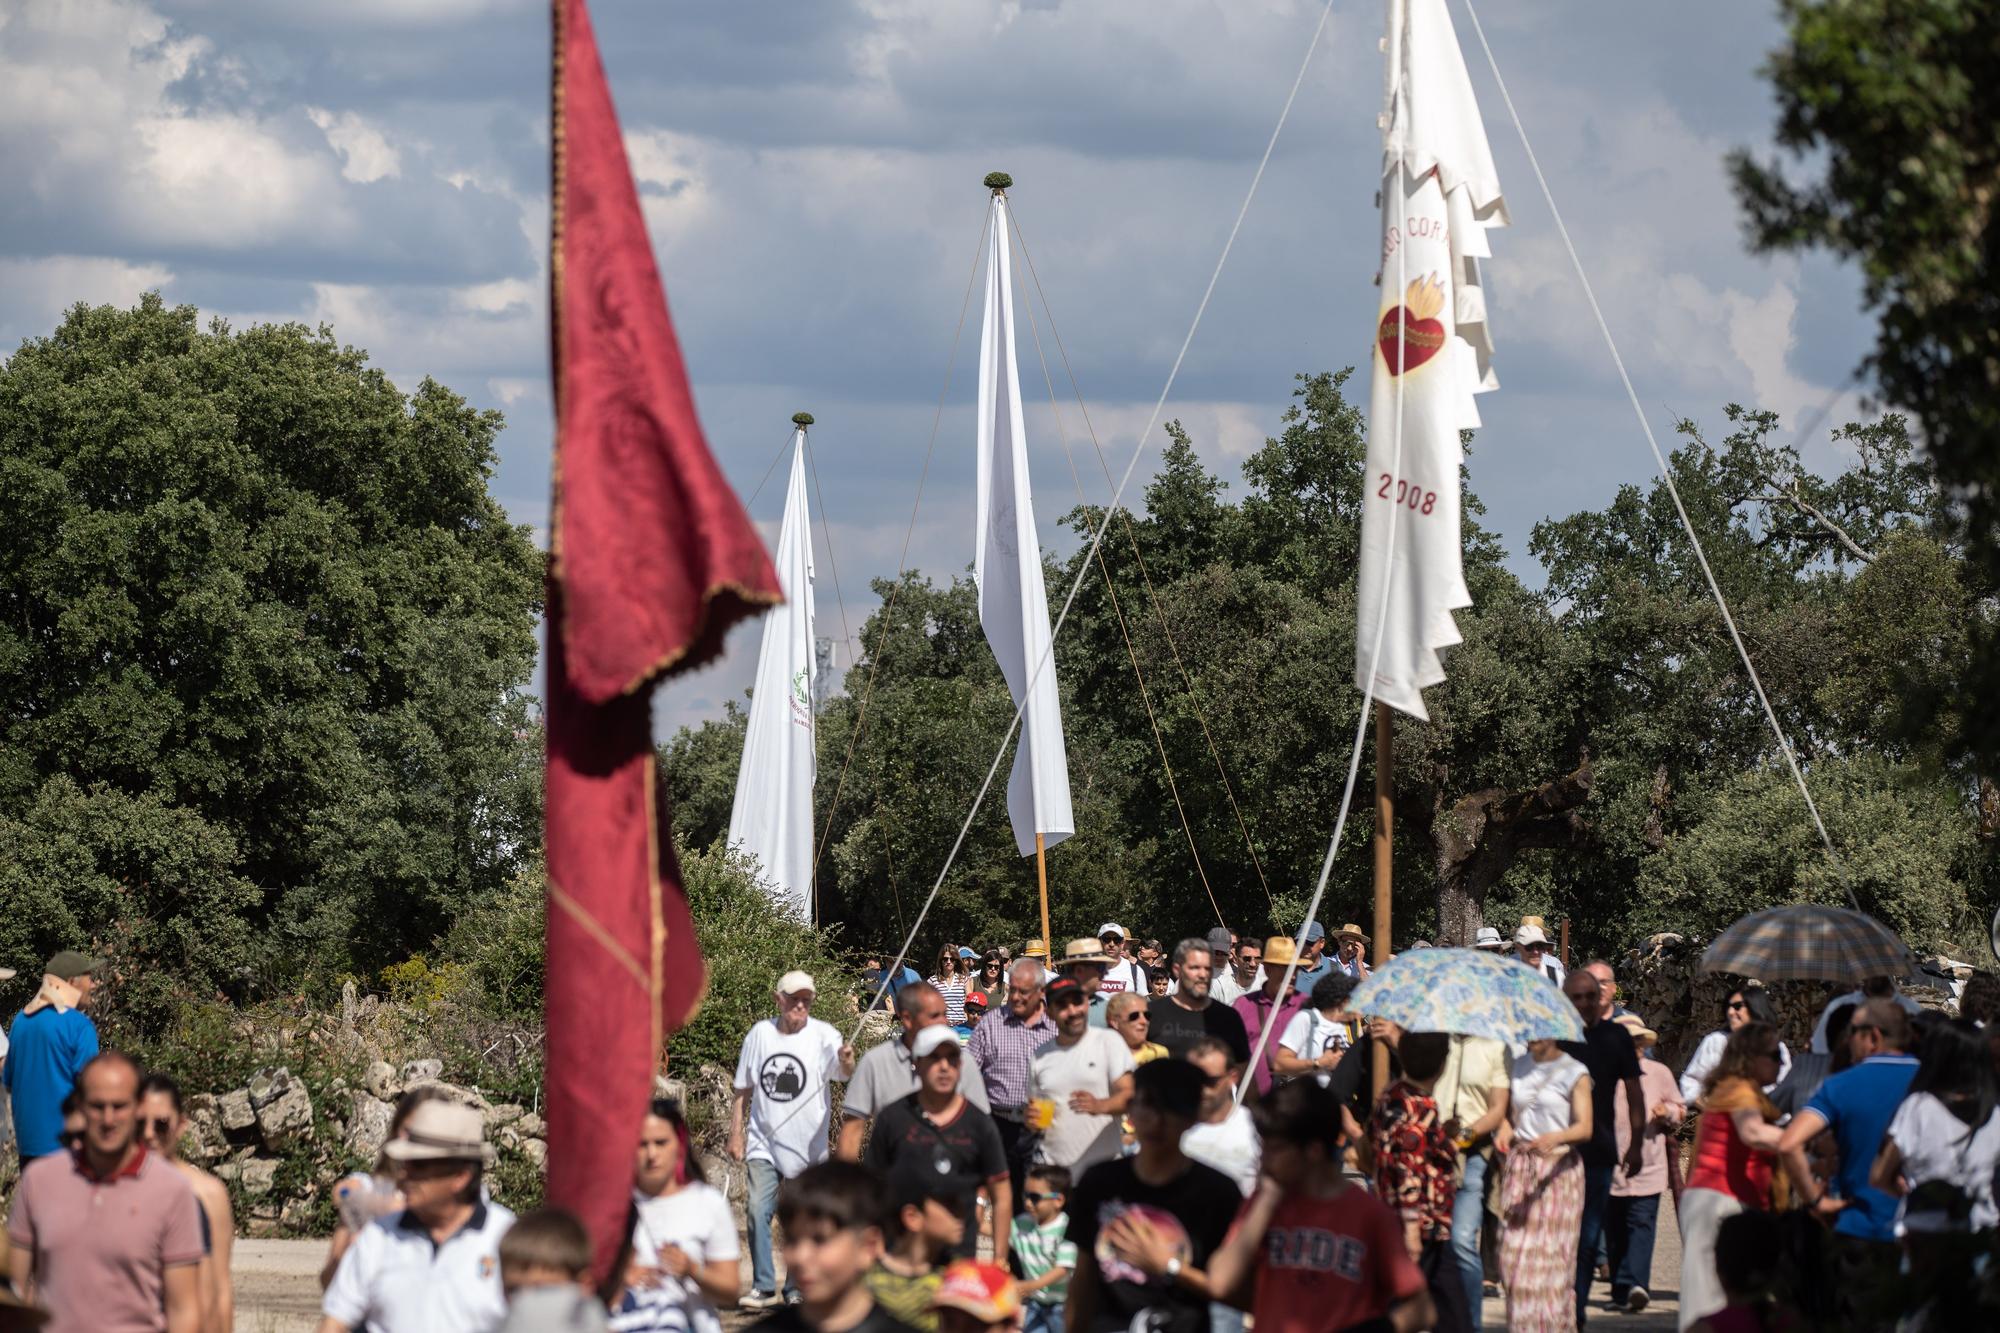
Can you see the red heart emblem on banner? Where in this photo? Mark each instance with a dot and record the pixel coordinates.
(1411, 334)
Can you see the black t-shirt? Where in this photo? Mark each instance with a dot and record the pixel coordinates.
(966, 1151)
(1194, 1208)
(1607, 1053)
(1177, 1029)
(792, 1319)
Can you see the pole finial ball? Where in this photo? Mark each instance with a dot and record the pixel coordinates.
(802, 418)
(998, 180)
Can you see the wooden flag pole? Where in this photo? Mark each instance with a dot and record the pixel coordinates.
(1042, 881)
(1385, 858)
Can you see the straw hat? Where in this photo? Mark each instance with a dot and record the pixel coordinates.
(1351, 931)
(1636, 1025)
(1083, 951)
(1035, 949)
(441, 1132)
(1279, 951)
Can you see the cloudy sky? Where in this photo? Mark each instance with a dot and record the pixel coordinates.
(811, 175)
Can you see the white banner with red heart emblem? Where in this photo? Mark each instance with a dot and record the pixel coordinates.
(1432, 352)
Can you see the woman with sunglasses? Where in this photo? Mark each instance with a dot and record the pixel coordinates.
(991, 980)
(950, 979)
(1748, 1003)
(1735, 1160)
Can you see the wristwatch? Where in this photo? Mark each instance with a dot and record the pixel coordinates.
(1174, 1268)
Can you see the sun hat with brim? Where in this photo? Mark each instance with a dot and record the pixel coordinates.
(1636, 1025)
(69, 965)
(984, 1291)
(1487, 938)
(1279, 950)
(441, 1132)
(1528, 935)
(1083, 951)
(1351, 931)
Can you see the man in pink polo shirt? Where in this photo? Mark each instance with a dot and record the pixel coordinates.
(107, 1238)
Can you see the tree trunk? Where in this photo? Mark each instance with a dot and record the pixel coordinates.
(1477, 840)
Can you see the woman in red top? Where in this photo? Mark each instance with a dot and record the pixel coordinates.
(1735, 1153)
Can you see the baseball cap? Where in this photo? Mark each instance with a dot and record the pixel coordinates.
(1111, 928)
(69, 965)
(1527, 935)
(930, 1039)
(984, 1291)
(1062, 988)
(1314, 931)
(795, 981)
(964, 952)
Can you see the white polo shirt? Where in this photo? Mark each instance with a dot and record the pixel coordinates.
(395, 1279)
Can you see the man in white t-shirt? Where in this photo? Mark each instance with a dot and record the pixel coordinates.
(1120, 972)
(1224, 1136)
(782, 1082)
(1086, 1073)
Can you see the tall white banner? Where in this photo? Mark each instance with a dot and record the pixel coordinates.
(1432, 353)
(1007, 564)
(772, 818)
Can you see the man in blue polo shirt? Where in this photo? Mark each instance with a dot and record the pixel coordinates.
(1857, 1106)
(50, 1042)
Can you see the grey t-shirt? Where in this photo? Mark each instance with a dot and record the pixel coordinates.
(885, 1075)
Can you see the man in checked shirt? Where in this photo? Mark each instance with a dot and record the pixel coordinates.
(1003, 1046)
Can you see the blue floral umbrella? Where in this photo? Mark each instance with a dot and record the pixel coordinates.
(1469, 992)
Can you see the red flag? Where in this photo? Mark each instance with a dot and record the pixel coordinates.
(652, 560)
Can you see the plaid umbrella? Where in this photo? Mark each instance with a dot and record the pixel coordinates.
(1809, 942)
(1469, 992)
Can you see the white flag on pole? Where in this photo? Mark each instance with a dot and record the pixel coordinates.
(1433, 351)
(772, 818)
(1007, 565)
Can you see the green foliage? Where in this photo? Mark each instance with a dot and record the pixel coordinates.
(1852, 604)
(265, 633)
(1887, 110)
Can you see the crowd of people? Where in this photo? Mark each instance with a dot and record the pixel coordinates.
(1039, 1148)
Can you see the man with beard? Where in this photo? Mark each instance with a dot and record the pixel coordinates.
(1181, 1019)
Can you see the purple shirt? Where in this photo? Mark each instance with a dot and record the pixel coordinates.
(1252, 1009)
(1004, 1047)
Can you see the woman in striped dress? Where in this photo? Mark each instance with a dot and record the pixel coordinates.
(1541, 1194)
(950, 980)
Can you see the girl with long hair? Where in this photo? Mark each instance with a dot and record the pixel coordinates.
(950, 979)
(1735, 1160)
(991, 979)
(1946, 1129)
(681, 1258)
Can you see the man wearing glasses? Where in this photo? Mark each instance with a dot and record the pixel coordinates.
(1857, 1105)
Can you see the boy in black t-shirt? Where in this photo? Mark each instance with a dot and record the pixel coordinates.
(1145, 1226)
(833, 1216)
(938, 1133)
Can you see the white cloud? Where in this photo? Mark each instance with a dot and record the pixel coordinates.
(365, 153)
(40, 289)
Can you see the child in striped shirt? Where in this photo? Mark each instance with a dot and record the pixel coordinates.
(1047, 1258)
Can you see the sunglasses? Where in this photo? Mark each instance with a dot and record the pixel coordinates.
(158, 1126)
(1737, 1004)
(1036, 1196)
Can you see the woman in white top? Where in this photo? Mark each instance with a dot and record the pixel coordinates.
(683, 1259)
(1747, 1004)
(1946, 1129)
(1541, 1195)
(950, 980)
